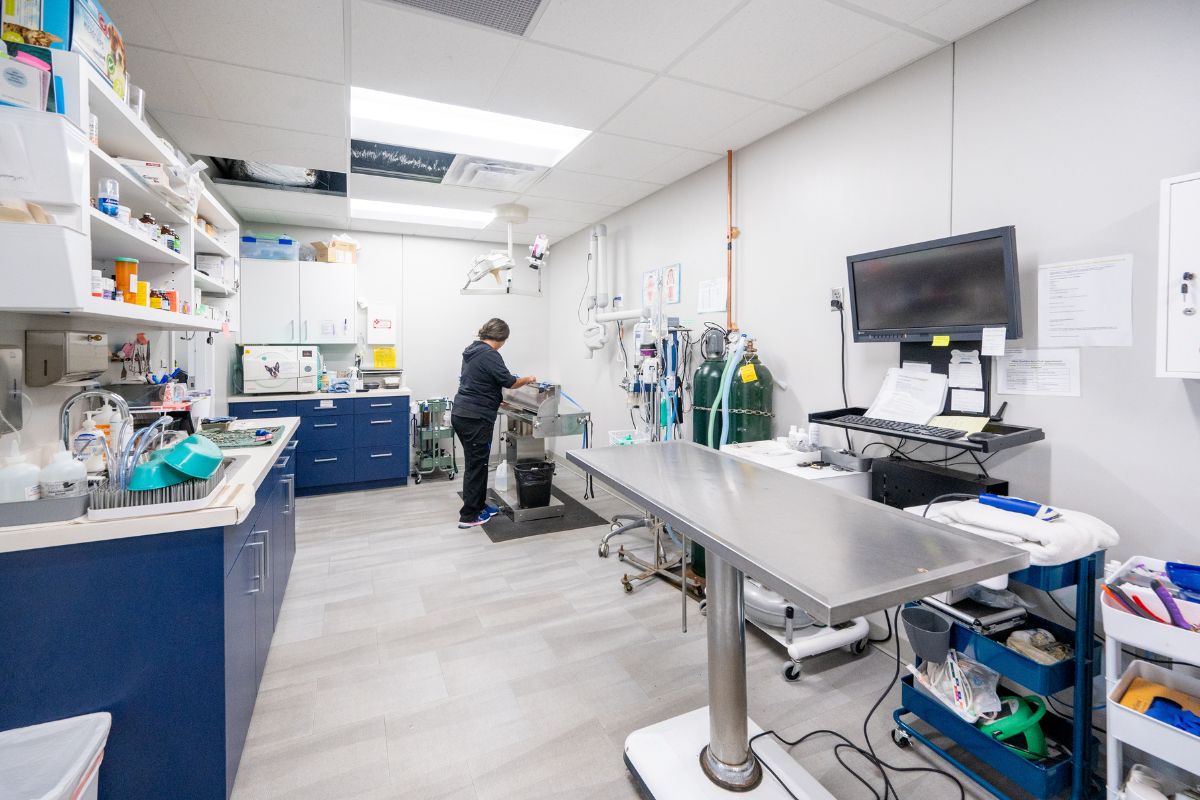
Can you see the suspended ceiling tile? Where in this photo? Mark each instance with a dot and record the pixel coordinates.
(681, 166)
(282, 202)
(630, 192)
(561, 184)
(645, 34)
(139, 24)
(551, 85)
(297, 37)
(878, 60)
(557, 230)
(255, 97)
(168, 82)
(754, 126)
(314, 220)
(566, 210)
(957, 18)
(681, 113)
(904, 11)
(440, 231)
(772, 46)
(618, 156)
(374, 187)
(213, 137)
(419, 55)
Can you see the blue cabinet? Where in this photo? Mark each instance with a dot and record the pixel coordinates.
(344, 442)
(241, 679)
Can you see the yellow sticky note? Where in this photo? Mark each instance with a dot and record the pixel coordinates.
(941, 341)
(385, 357)
(747, 373)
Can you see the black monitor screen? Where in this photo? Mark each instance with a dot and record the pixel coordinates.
(959, 284)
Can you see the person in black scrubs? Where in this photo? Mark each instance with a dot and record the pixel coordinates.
(482, 377)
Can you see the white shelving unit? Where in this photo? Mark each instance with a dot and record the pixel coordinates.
(66, 169)
(1124, 725)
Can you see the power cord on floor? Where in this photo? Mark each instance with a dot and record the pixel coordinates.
(868, 753)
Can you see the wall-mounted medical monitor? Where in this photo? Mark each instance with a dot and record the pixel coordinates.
(955, 287)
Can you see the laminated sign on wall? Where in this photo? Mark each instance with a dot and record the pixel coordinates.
(381, 324)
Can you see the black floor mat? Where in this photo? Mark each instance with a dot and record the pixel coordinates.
(502, 529)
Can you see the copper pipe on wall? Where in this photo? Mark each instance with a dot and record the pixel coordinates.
(730, 234)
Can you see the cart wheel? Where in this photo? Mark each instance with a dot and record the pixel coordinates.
(859, 647)
(418, 478)
(620, 554)
(704, 608)
(791, 671)
(628, 586)
(453, 475)
(901, 738)
(603, 550)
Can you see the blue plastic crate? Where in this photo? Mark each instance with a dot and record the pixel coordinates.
(1042, 779)
(270, 248)
(1058, 576)
(1040, 678)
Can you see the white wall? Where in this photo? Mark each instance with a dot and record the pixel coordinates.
(1060, 119)
(422, 277)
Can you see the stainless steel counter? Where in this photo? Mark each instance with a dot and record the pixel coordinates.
(836, 556)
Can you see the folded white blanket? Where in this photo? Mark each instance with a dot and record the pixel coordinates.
(1072, 536)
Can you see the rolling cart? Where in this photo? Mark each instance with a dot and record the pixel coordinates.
(433, 439)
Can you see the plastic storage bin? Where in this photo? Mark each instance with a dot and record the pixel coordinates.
(1148, 634)
(1146, 733)
(270, 248)
(55, 760)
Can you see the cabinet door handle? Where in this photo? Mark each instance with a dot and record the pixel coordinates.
(292, 445)
(324, 460)
(283, 461)
(325, 424)
(381, 422)
(265, 411)
(258, 585)
(266, 551)
(292, 330)
(381, 405)
(290, 480)
(381, 455)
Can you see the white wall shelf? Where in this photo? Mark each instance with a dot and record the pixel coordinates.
(134, 194)
(122, 134)
(207, 245)
(142, 316)
(212, 210)
(212, 287)
(111, 239)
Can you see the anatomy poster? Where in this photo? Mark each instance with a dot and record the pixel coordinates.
(650, 287)
(672, 284)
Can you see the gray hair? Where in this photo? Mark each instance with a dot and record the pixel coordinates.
(494, 329)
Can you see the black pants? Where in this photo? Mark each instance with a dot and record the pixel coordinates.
(476, 438)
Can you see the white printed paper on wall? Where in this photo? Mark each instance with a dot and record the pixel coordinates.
(672, 284)
(965, 370)
(712, 297)
(1086, 303)
(1052, 373)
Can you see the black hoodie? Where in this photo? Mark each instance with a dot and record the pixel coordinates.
(483, 375)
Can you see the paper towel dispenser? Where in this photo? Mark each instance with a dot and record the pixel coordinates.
(64, 357)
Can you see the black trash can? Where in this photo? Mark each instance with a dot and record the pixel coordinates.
(533, 483)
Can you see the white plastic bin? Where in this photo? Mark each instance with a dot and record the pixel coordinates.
(1146, 733)
(1148, 634)
(55, 760)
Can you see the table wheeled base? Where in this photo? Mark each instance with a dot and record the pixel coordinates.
(664, 760)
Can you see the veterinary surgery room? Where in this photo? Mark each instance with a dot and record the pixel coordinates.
(599, 400)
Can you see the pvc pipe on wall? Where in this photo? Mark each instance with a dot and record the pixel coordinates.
(618, 316)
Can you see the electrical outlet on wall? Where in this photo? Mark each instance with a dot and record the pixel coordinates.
(837, 297)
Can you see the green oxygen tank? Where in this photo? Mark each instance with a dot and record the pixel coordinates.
(706, 385)
(751, 404)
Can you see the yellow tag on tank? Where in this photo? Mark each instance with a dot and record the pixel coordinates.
(941, 341)
(747, 373)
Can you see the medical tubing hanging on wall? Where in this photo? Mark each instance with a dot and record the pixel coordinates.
(722, 403)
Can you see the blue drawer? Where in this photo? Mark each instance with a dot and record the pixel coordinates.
(334, 404)
(380, 463)
(335, 432)
(324, 468)
(263, 408)
(381, 405)
(373, 429)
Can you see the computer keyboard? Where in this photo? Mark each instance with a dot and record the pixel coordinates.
(891, 426)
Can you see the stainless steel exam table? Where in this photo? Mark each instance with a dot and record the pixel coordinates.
(836, 556)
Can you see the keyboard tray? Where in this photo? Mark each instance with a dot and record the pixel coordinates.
(1008, 436)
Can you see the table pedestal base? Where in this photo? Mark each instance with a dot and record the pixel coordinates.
(664, 760)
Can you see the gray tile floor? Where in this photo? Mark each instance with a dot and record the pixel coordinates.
(415, 660)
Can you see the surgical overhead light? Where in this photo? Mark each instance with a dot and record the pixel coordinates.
(413, 122)
(500, 263)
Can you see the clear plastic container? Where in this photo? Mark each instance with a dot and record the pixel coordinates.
(108, 196)
(270, 248)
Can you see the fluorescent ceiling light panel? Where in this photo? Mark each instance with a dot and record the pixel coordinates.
(395, 119)
(419, 215)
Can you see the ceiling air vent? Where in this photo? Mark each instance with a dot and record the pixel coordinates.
(491, 173)
(510, 16)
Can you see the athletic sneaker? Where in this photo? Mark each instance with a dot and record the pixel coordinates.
(482, 518)
(491, 511)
